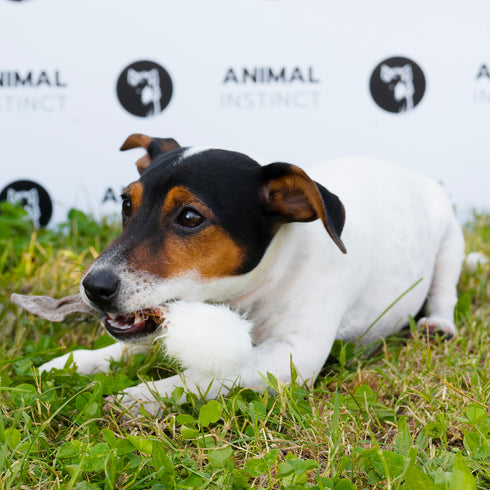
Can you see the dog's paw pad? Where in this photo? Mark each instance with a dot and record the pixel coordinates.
(435, 326)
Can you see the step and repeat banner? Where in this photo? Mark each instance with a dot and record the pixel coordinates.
(300, 81)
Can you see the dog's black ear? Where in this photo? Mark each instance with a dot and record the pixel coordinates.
(153, 146)
(290, 194)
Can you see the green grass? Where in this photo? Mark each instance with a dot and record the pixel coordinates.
(404, 413)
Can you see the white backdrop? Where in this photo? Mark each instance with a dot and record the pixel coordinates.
(62, 121)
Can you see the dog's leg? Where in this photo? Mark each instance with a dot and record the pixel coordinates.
(272, 357)
(95, 361)
(306, 347)
(148, 395)
(442, 294)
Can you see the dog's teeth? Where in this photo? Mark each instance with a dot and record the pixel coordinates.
(120, 326)
(112, 316)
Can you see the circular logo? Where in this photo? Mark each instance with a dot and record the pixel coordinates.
(144, 88)
(397, 84)
(32, 197)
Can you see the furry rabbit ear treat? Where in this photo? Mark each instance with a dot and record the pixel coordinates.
(211, 340)
(52, 309)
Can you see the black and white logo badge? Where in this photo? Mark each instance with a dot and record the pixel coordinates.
(397, 84)
(32, 197)
(144, 88)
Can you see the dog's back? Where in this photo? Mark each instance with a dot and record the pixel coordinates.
(399, 229)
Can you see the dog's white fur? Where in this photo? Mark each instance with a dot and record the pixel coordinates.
(221, 342)
(305, 293)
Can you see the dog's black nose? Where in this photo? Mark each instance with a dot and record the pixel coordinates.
(100, 287)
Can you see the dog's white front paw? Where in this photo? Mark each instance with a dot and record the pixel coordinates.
(86, 361)
(146, 396)
(133, 399)
(211, 340)
(56, 363)
(437, 325)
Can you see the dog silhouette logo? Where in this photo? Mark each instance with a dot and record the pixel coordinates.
(144, 88)
(32, 197)
(397, 84)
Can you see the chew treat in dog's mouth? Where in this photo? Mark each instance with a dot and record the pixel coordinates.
(132, 326)
(55, 310)
(122, 327)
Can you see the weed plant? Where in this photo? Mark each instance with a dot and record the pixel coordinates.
(405, 413)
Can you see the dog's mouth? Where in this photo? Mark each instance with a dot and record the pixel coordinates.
(135, 325)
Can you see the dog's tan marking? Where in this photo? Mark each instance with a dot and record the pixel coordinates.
(296, 197)
(210, 251)
(180, 196)
(135, 191)
(138, 140)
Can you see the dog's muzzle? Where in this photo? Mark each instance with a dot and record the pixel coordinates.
(129, 328)
(101, 287)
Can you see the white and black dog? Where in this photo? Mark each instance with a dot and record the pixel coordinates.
(254, 267)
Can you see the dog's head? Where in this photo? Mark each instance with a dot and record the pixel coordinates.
(195, 216)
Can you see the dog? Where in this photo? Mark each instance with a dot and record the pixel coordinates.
(211, 239)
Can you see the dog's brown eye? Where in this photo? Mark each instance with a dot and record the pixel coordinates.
(189, 218)
(127, 208)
